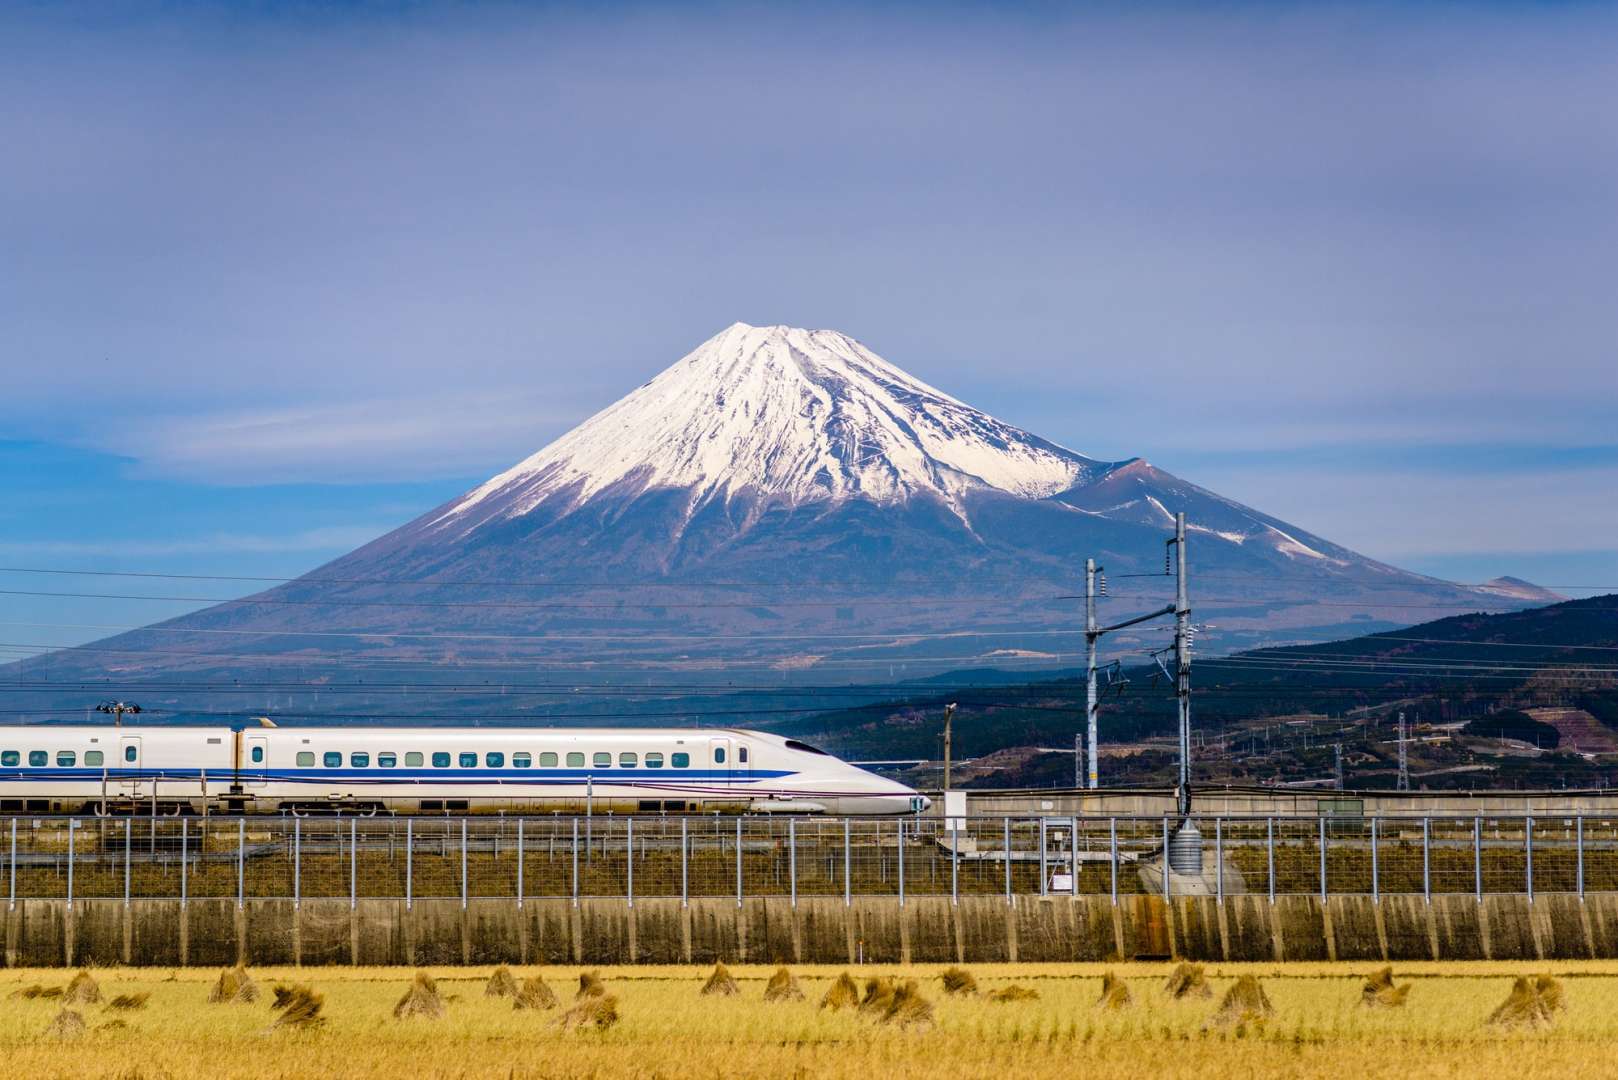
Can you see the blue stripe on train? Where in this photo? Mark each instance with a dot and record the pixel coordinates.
(531, 776)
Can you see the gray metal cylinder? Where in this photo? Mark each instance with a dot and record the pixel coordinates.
(1185, 849)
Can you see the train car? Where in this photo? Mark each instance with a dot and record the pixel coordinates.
(424, 770)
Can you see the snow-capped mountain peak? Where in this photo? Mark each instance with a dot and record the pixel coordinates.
(789, 414)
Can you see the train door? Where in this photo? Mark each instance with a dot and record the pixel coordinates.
(742, 768)
(255, 760)
(129, 766)
(719, 751)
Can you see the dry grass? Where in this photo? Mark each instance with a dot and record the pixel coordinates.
(598, 1011)
(958, 981)
(128, 1002)
(1114, 993)
(878, 995)
(1188, 980)
(1318, 1028)
(590, 985)
(1245, 1006)
(1007, 994)
(1380, 992)
(299, 1009)
(422, 1000)
(783, 987)
(67, 1025)
(38, 990)
(1533, 1002)
(234, 986)
(534, 994)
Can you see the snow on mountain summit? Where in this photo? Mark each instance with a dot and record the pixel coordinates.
(786, 413)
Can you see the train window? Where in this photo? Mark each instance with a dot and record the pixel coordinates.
(257, 754)
(522, 761)
(654, 761)
(469, 760)
(412, 759)
(680, 761)
(38, 757)
(66, 758)
(92, 757)
(360, 760)
(385, 760)
(741, 755)
(547, 760)
(603, 760)
(10, 757)
(494, 759)
(131, 753)
(575, 761)
(306, 758)
(332, 759)
(627, 760)
(440, 759)
(719, 755)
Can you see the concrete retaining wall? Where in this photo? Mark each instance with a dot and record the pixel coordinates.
(214, 933)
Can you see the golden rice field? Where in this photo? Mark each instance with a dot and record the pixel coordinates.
(667, 1028)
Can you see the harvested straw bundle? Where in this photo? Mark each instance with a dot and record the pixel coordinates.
(783, 987)
(82, 990)
(1526, 1006)
(67, 1025)
(599, 1011)
(1244, 1004)
(234, 985)
(1380, 992)
(958, 981)
(37, 991)
(720, 982)
(533, 994)
(1007, 994)
(299, 1007)
(843, 993)
(878, 995)
(1188, 980)
(906, 1007)
(590, 985)
(500, 984)
(1114, 993)
(422, 999)
(1550, 992)
(126, 1002)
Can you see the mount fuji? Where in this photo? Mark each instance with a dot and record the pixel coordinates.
(786, 501)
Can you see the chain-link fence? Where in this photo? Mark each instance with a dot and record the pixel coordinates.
(518, 858)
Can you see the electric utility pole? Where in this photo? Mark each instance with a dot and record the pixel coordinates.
(949, 716)
(1182, 656)
(1338, 748)
(1092, 769)
(1404, 759)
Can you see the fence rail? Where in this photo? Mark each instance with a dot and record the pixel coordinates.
(517, 858)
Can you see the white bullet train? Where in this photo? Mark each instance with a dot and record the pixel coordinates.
(183, 770)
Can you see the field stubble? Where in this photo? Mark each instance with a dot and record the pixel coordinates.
(668, 1029)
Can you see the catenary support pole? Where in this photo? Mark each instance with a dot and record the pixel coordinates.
(1092, 769)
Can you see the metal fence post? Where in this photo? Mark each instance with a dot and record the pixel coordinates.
(848, 866)
(1528, 845)
(1578, 841)
(738, 862)
(71, 830)
(353, 863)
(297, 861)
(1219, 858)
(11, 901)
(1322, 859)
(1005, 824)
(1044, 879)
(575, 862)
(185, 838)
(792, 858)
(954, 860)
(463, 865)
(629, 867)
(521, 853)
(1269, 846)
(685, 868)
(1376, 893)
(1112, 846)
(1168, 885)
(1426, 860)
(1477, 857)
(410, 862)
(129, 839)
(901, 862)
(1073, 852)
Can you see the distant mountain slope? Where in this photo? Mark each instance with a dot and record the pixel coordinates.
(779, 504)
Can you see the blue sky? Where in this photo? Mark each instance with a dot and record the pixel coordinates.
(273, 280)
